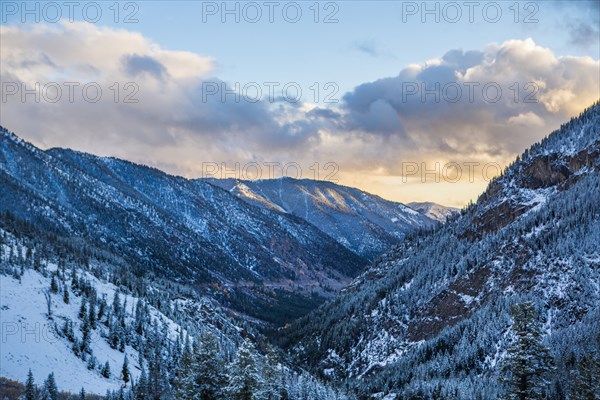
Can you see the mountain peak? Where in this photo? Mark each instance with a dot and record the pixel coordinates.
(434, 211)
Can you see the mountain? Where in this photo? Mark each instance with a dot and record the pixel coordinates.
(264, 264)
(432, 318)
(434, 211)
(364, 223)
(86, 321)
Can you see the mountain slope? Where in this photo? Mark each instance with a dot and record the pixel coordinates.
(433, 315)
(366, 224)
(434, 211)
(268, 265)
(50, 297)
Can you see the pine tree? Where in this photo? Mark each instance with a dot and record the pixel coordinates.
(105, 372)
(91, 363)
(101, 309)
(141, 388)
(125, 375)
(586, 381)
(157, 376)
(116, 303)
(49, 390)
(208, 369)
(53, 284)
(82, 394)
(184, 376)
(273, 388)
(37, 262)
(30, 387)
(85, 335)
(74, 282)
(68, 330)
(82, 309)
(66, 294)
(92, 313)
(244, 379)
(528, 361)
(113, 334)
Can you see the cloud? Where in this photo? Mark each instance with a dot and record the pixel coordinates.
(581, 19)
(368, 47)
(179, 121)
(169, 88)
(136, 65)
(462, 104)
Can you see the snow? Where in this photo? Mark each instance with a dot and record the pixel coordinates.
(466, 298)
(28, 338)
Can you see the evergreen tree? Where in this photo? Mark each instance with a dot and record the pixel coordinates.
(125, 375)
(116, 303)
(85, 336)
(101, 309)
(113, 334)
(74, 281)
(37, 261)
(184, 376)
(30, 387)
(68, 330)
(141, 388)
(528, 361)
(274, 389)
(49, 390)
(586, 382)
(244, 378)
(92, 313)
(53, 284)
(66, 294)
(208, 369)
(82, 394)
(105, 370)
(82, 309)
(91, 363)
(158, 383)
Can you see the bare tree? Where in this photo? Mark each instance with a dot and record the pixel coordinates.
(48, 297)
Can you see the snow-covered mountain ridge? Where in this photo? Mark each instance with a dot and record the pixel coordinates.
(432, 315)
(278, 265)
(280, 261)
(435, 211)
(364, 223)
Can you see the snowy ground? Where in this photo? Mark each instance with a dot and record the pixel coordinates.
(28, 340)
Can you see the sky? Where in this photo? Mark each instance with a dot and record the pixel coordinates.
(413, 101)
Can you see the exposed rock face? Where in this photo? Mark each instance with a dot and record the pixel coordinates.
(504, 200)
(550, 170)
(450, 306)
(440, 302)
